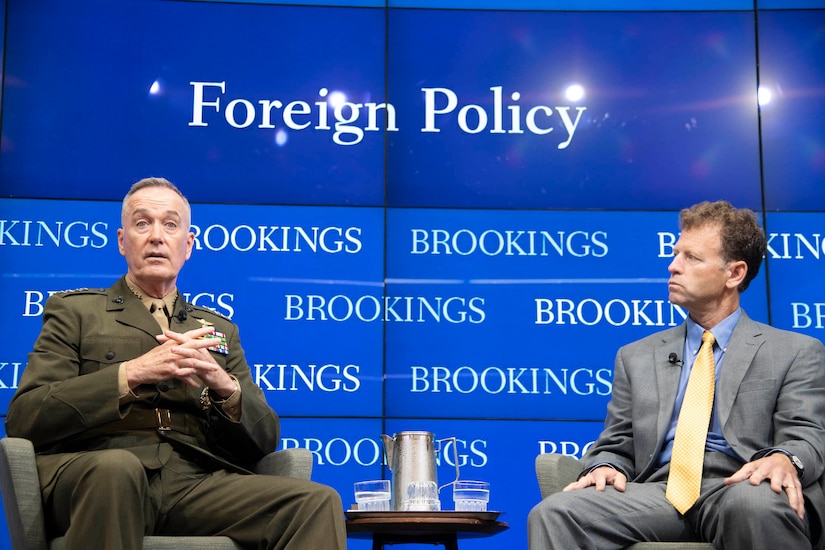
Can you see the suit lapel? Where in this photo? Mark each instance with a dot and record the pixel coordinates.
(744, 343)
(667, 376)
(129, 310)
(182, 318)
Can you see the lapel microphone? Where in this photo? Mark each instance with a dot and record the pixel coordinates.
(181, 317)
(673, 359)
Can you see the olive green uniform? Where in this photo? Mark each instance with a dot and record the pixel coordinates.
(167, 460)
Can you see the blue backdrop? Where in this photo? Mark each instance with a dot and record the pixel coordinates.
(422, 217)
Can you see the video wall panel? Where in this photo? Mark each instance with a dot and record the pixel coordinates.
(793, 84)
(289, 276)
(250, 103)
(415, 216)
(493, 310)
(796, 260)
(608, 110)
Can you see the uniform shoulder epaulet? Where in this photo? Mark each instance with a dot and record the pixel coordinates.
(200, 310)
(80, 292)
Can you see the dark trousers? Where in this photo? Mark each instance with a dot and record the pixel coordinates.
(106, 499)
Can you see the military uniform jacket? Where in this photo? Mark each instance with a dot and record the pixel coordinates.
(68, 398)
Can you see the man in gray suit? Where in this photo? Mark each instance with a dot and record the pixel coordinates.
(765, 444)
(144, 430)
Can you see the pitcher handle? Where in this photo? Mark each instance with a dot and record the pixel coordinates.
(455, 460)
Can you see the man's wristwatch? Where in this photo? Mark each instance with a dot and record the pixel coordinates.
(797, 463)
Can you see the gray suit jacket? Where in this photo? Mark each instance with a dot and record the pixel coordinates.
(770, 393)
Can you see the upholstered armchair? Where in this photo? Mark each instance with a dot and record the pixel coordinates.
(20, 489)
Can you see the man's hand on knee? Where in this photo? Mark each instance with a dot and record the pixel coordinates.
(600, 478)
(779, 471)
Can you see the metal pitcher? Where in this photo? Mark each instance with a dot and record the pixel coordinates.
(411, 457)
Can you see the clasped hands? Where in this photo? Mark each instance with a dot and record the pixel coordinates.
(183, 356)
(775, 468)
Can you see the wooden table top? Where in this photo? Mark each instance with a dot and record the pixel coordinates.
(463, 524)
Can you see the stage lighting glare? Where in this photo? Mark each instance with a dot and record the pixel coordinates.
(574, 92)
(764, 95)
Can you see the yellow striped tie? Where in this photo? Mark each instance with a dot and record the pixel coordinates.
(685, 476)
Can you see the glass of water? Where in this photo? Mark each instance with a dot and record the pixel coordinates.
(422, 496)
(471, 496)
(373, 495)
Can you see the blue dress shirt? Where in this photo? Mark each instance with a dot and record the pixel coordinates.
(722, 333)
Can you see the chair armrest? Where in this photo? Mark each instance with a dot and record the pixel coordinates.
(20, 488)
(286, 462)
(555, 471)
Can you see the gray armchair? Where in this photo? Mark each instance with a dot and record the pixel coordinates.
(20, 490)
(554, 471)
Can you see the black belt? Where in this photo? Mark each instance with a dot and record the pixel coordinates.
(162, 420)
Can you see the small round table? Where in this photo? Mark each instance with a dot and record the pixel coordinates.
(445, 528)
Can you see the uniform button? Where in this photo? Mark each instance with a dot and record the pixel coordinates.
(163, 386)
(110, 355)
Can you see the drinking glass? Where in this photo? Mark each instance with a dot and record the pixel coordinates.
(471, 496)
(373, 495)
